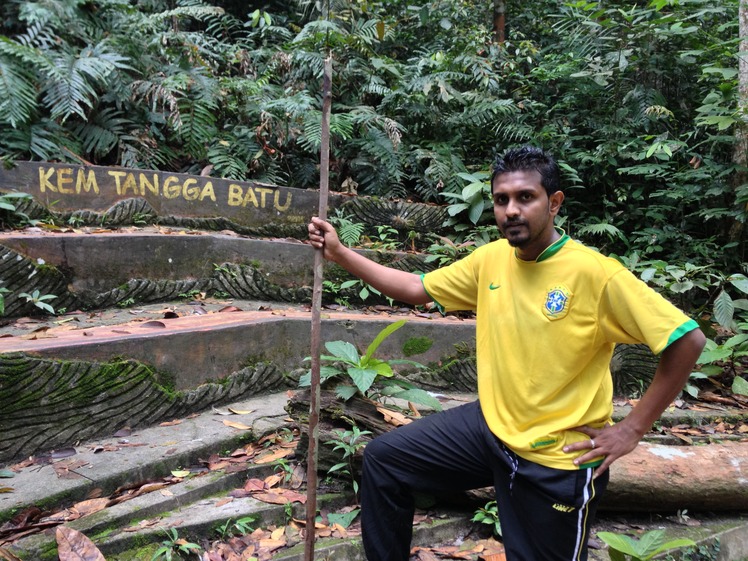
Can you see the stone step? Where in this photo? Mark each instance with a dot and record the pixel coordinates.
(79, 377)
(196, 506)
(100, 268)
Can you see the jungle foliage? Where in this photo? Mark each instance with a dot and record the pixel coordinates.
(638, 100)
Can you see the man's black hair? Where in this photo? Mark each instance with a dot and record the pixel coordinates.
(530, 158)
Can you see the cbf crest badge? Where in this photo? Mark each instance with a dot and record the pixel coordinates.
(557, 302)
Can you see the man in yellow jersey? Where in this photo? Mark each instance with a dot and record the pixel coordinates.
(548, 314)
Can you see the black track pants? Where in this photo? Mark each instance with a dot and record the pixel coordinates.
(545, 513)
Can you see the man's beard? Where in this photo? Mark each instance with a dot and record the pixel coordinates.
(519, 240)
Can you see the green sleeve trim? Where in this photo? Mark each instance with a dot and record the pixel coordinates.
(439, 307)
(687, 327)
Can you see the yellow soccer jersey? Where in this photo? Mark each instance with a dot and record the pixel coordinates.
(545, 335)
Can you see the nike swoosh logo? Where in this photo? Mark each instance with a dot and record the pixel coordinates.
(492, 286)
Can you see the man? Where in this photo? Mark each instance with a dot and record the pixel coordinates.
(548, 314)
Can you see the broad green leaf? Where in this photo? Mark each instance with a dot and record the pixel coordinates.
(476, 211)
(648, 274)
(708, 356)
(470, 191)
(740, 282)
(711, 370)
(363, 378)
(682, 286)
(650, 542)
(382, 368)
(343, 519)
(6, 473)
(740, 386)
(619, 542)
(381, 336)
(723, 309)
(672, 544)
(412, 363)
(419, 396)
(735, 340)
(343, 351)
(345, 392)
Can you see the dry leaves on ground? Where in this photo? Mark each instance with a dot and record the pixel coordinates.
(482, 550)
(32, 519)
(74, 546)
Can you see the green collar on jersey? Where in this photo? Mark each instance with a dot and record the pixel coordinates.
(552, 249)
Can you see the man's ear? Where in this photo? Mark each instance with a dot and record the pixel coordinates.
(554, 202)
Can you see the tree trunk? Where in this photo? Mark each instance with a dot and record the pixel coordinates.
(499, 21)
(740, 152)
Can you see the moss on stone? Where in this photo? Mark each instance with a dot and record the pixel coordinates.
(417, 345)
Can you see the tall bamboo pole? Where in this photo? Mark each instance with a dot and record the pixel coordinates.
(324, 180)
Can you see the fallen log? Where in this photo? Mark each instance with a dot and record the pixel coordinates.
(655, 477)
(652, 478)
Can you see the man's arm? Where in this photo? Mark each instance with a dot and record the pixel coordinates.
(673, 370)
(399, 285)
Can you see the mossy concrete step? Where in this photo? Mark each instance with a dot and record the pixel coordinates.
(97, 268)
(77, 379)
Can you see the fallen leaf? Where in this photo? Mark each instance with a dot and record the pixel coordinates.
(254, 484)
(281, 497)
(6, 473)
(66, 469)
(217, 411)
(272, 545)
(6, 489)
(74, 546)
(123, 432)
(225, 500)
(62, 453)
(142, 524)
(153, 323)
(394, 417)
(180, 473)
(276, 455)
(493, 557)
(241, 411)
(234, 425)
(84, 508)
(273, 480)
(171, 423)
(8, 556)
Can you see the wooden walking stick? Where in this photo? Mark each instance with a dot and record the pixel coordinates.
(324, 179)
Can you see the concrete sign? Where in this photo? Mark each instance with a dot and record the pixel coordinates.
(65, 187)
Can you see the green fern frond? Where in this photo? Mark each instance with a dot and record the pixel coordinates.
(101, 133)
(600, 229)
(513, 131)
(17, 93)
(182, 12)
(483, 113)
